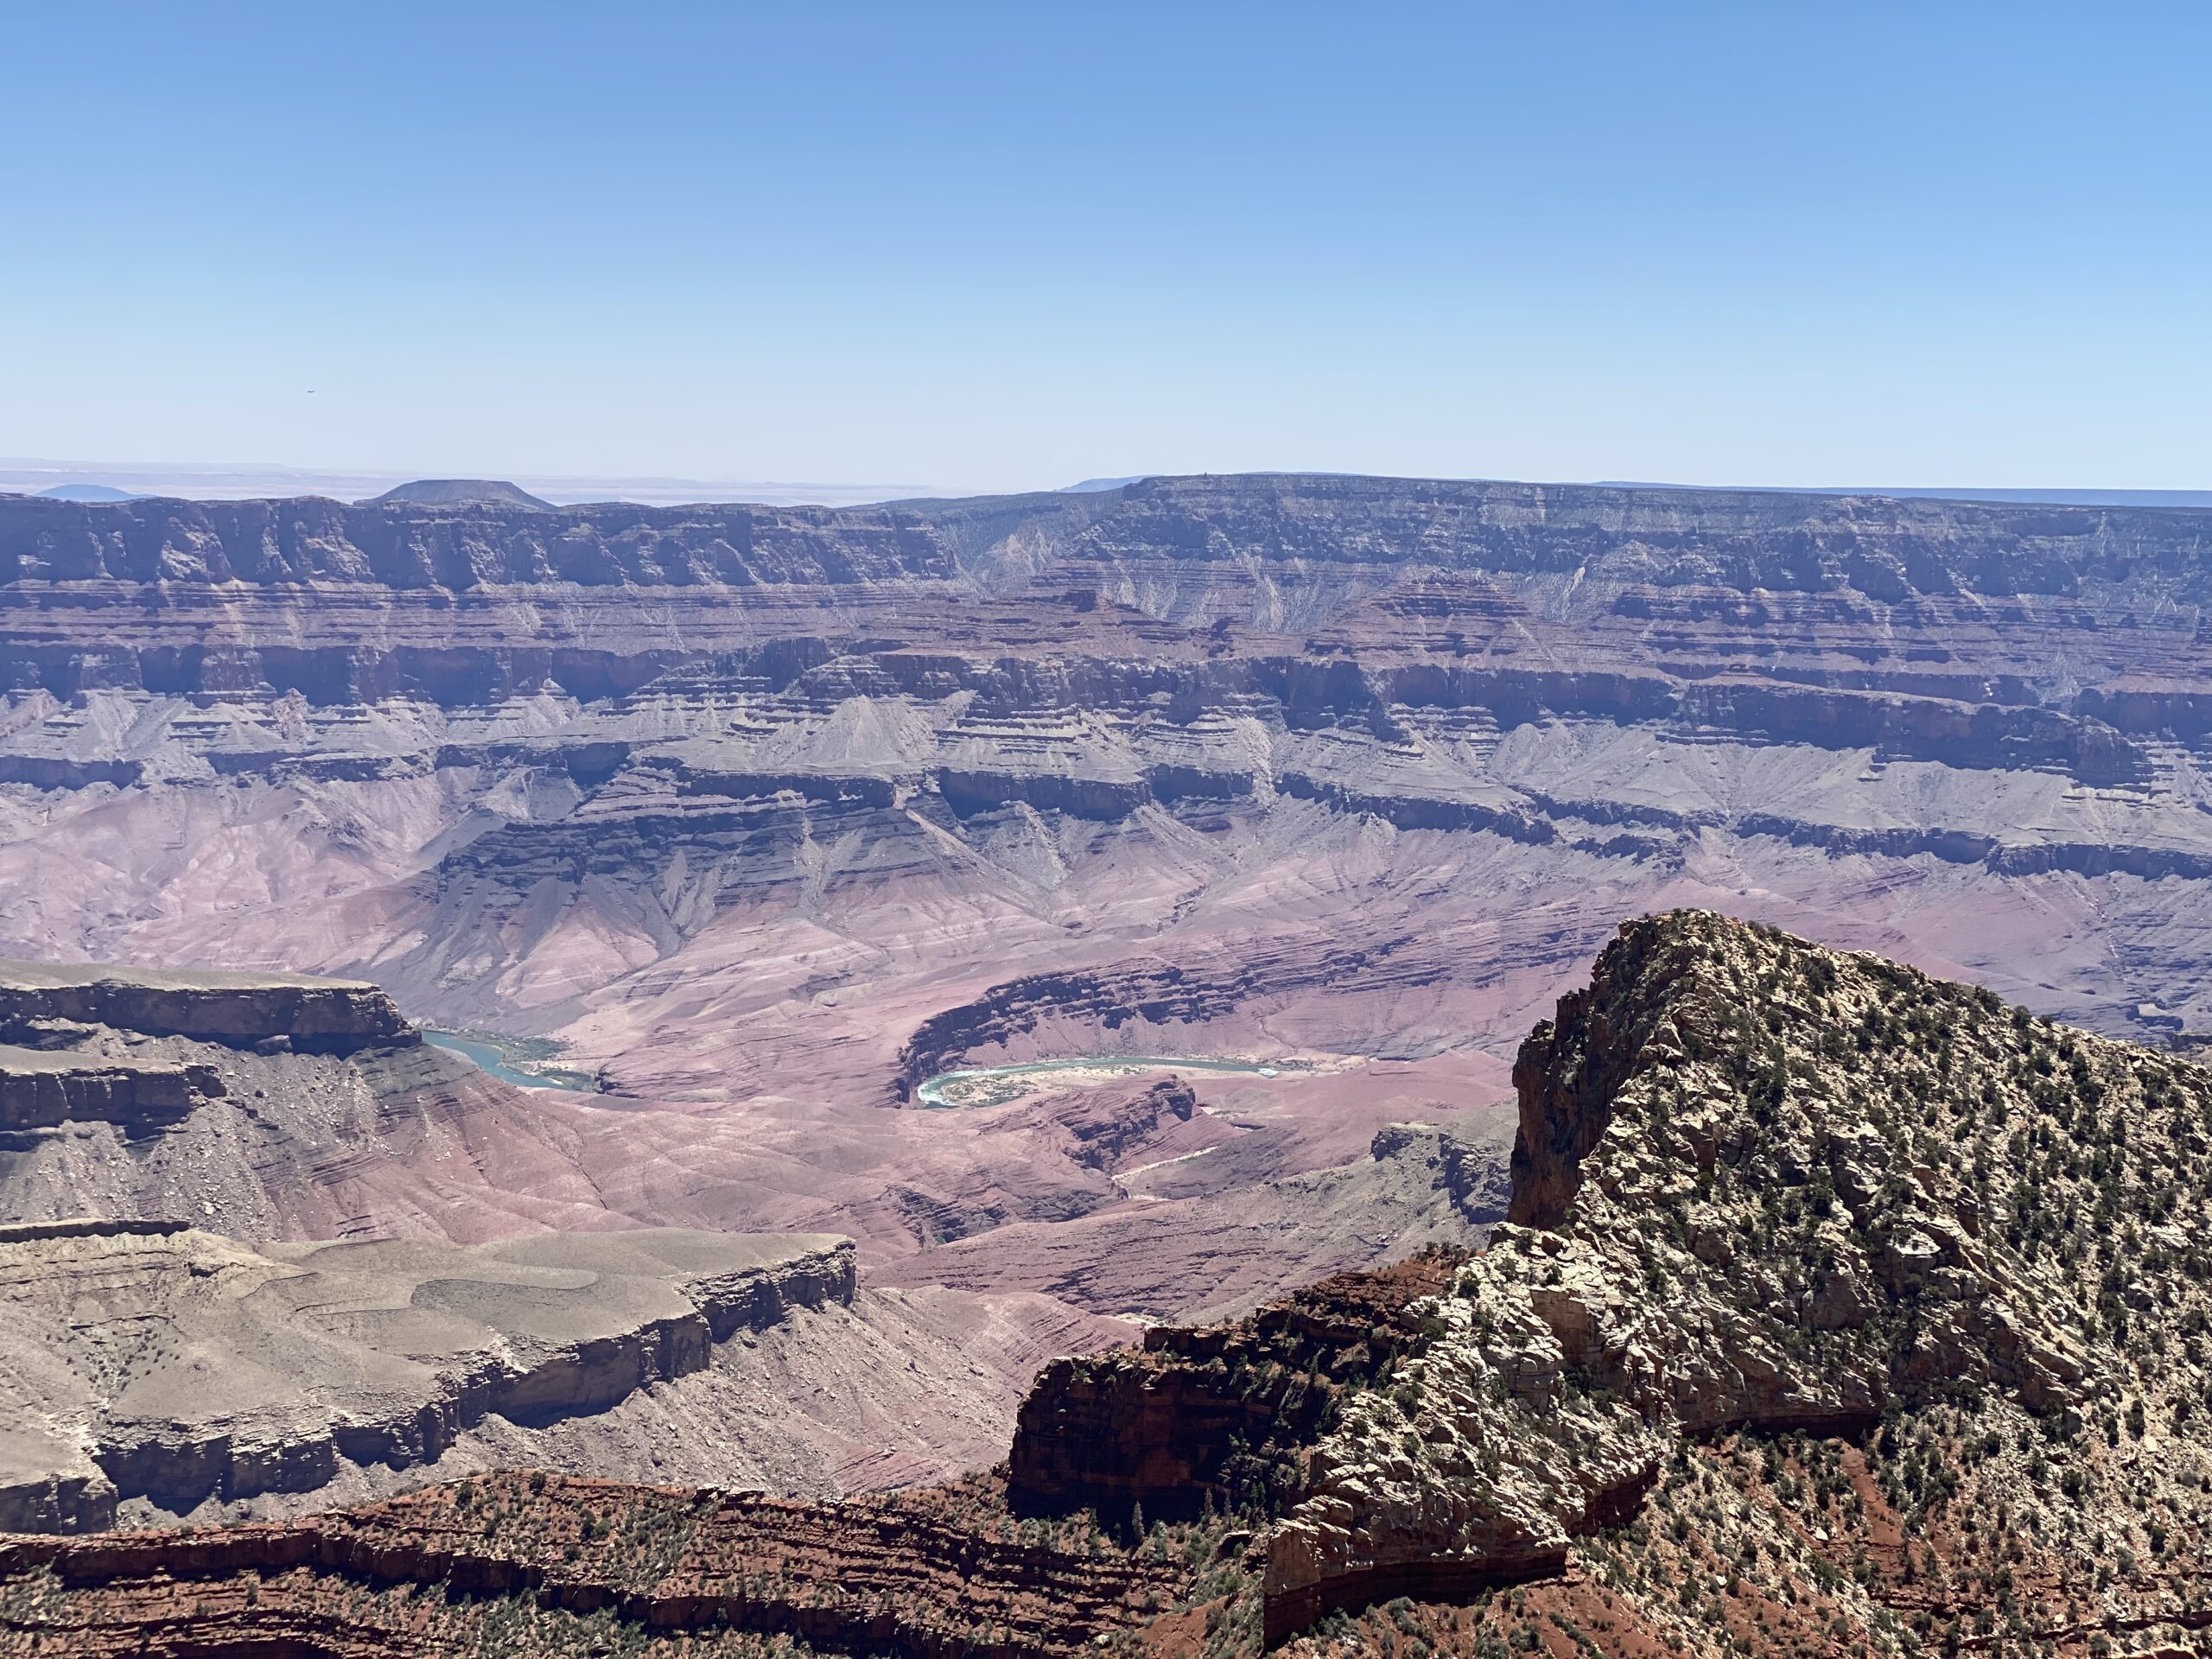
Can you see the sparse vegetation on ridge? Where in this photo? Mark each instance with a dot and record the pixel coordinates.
(1843, 1311)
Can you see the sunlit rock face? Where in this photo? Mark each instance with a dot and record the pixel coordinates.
(1763, 1186)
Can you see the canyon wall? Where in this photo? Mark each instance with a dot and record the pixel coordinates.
(763, 817)
(265, 1011)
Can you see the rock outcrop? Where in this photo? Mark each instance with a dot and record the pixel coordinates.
(267, 1011)
(1758, 1186)
(1213, 1417)
(175, 1366)
(1104, 1132)
(40, 1090)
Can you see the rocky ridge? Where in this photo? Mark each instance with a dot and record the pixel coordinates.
(1213, 1418)
(1762, 1187)
(1842, 1306)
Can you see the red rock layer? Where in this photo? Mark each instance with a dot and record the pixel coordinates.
(857, 1577)
(1212, 1416)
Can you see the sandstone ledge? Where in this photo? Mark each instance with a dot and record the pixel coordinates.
(176, 1365)
(311, 1015)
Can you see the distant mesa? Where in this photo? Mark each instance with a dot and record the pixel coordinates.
(1098, 486)
(458, 493)
(88, 492)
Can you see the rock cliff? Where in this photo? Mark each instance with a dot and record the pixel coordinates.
(268, 1012)
(1760, 1186)
(1213, 1417)
(175, 1366)
(40, 1091)
(262, 1106)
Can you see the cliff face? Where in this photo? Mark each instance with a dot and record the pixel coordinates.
(1213, 1418)
(266, 1011)
(251, 1371)
(40, 1091)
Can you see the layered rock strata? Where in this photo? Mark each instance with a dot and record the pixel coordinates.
(292, 1012)
(1214, 1417)
(40, 1090)
(533, 766)
(851, 1578)
(173, 1365)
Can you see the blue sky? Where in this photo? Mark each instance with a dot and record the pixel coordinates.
(1009, 246)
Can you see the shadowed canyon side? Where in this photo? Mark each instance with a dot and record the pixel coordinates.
(1844, 1308)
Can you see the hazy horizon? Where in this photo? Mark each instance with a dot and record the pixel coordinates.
(247, 480)
(992, 249)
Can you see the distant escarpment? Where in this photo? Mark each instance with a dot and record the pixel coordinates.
(465, 542)
(1891, 549)
(269, 1012)
(505, 731)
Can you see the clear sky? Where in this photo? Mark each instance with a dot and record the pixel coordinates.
(1012, 245)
